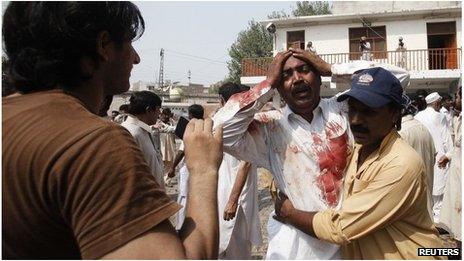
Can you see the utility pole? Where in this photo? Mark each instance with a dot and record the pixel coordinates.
(161, 70)
(189, 76)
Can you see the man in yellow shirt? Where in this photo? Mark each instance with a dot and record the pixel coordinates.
(384, 210)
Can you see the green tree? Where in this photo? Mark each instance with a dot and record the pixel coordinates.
(278, 15)
(253, 42)
(306, 8)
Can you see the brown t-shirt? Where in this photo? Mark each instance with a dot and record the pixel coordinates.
(74, 185)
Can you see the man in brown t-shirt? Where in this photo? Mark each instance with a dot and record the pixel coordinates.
(77, 186)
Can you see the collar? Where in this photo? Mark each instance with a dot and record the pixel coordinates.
(289, 113)
(386, 143)
(134, 120)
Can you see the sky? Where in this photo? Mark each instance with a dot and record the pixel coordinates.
(196, 36)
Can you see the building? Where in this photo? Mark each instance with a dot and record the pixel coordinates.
(431, 33)
(178, 98)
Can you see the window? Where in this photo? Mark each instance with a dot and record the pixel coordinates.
(376, 36)
(296, 39)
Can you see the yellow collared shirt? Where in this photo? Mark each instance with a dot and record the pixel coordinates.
(384, 210)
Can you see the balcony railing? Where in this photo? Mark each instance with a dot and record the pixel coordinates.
(411, 60)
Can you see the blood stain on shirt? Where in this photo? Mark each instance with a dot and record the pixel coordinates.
(332, 158)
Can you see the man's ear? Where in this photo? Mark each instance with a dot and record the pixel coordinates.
(103, 40)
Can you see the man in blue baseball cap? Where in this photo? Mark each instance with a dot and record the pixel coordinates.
(384, 210)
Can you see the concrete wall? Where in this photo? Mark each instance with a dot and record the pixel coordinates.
(359, 7)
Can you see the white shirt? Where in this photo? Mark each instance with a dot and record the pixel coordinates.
(306, 159)
(248, 202)
(142, 134)
(435, 123)
(449, 115)
(298, 154)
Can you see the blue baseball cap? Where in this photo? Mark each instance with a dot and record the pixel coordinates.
(375, 87)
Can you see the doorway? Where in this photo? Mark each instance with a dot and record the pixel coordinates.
(441, 41)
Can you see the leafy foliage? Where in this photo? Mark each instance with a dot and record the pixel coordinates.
(278, 15)
(254, 42)
(306, 8)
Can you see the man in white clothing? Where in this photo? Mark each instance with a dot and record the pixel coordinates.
(436, 124)
(239, 225)
(450, 218)
(447, 110)
(144, 109)
(305, 147)
(195, 111)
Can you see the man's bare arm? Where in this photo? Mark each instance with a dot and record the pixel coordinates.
(177, 159)
(200, 232)
(232, 204)
(286, 213)
(199, 237)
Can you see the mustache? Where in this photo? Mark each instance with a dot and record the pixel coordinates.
(359, 129)
(300, 87)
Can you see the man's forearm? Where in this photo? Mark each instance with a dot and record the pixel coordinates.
(240, 180)
(179, 157)
(302, 220)
(200, 232)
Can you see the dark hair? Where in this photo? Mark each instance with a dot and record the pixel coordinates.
(45, 41)
(445, 96)
(124, 107)
(196, 111)
(105, 105)
(398, 109)
(167, 111)
(139, 101)
(422, 92)
(228, 89)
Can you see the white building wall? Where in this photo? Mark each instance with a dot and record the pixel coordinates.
(343, 7)
(334, 38)
(329, 38)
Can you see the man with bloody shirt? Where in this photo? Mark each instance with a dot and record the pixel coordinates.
(305, 146)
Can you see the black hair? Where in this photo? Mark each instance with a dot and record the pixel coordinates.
(196, 111)
(45, 41)
(124, 107)
(445, 96)
(140, 101)
(398, 109)
(422, 92)
(167, 111)
(229, 88)
(105, 105)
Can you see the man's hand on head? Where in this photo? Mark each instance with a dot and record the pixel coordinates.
(274, 74)
(203, 149)
(324, 68)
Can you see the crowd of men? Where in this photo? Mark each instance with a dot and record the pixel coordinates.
(366, 174)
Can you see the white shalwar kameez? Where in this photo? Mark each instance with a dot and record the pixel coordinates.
(237, 235)
(437, 125)
(450, 218)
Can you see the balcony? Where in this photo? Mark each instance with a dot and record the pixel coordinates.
(411, 60)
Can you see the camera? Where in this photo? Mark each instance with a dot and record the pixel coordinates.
(271, 28)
